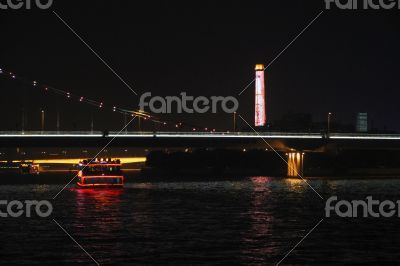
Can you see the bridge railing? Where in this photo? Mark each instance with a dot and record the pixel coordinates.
(156, 134)
(49, 133)
(349, 136)
(364, 136)
(191, 133)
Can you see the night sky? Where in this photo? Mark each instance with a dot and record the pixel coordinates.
(345, 62)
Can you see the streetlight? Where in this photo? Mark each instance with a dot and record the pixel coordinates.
(42, 116)
(329, 122)
(126, 128)
(58, 122)
(91, 123)
(23, 121)
(234, 121)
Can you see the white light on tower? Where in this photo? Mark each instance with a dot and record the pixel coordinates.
(260, 116)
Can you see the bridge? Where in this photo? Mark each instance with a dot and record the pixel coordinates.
(279, 140)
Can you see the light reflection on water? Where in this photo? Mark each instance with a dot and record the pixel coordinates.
(252, 221)
(261, 220)
(101, 202)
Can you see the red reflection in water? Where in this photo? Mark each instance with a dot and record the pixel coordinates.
(258, 239)
(98, 193)
(99, 210)
(259, 182)
(260, 179)
(98, 198)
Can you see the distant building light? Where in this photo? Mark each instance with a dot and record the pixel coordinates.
(362, 122)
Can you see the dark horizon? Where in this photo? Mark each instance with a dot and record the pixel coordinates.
(344, 63)
(296, 181)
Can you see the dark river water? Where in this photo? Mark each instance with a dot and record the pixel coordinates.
(253, 221)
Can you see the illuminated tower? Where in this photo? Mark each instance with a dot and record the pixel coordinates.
(260, 117)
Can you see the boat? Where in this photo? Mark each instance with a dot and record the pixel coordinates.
(29, 168)
(100, 173)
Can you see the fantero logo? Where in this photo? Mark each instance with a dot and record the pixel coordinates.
(27, 208)
(362, 4)
(362, 208)
(26, 4)
(188, 104)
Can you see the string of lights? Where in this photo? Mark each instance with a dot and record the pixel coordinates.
(101, 104)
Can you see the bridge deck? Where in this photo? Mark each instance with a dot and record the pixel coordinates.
(267, 135)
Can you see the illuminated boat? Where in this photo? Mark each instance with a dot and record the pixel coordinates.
(29, 168)
(100, 173)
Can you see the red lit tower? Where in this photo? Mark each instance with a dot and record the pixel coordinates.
(260, 114)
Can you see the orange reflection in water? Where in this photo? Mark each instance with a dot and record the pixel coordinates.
(296, 184)
(294, 181)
